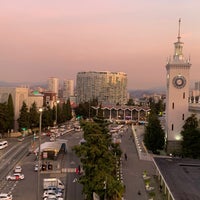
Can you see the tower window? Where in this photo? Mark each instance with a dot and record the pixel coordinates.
(183, 95)
(173, 105)
(183, 117)
(172, 127)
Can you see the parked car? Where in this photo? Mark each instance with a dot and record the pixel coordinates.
(52, 139)
(15, 177)
(53, 198)
(54, 188)
(3, 144)
(5, 196)
(58, 191)
(18, 169)
(37, 167)
(20, 139)
(51, 194)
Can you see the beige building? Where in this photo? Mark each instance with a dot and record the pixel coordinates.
(107, 87)
(68, 89)
(19, 95)
(53, 85)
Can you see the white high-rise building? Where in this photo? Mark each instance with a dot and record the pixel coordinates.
(106, 87)
(53, 85)
(177, 108)
(68, 89)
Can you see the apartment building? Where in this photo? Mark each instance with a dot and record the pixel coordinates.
(107, 87)
(53, 85)
(68, 89)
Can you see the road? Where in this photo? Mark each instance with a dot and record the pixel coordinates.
(132, 169)
(27, 188)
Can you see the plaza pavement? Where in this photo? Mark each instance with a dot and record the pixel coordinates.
(138, 161)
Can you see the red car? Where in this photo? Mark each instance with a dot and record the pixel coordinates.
(15, 177)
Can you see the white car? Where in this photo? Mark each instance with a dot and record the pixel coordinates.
(5, 196)
(51, 194)
(20, 139)
(53, 198)
(18, 169)
(15, 177)
(36, 167)
(52, 139)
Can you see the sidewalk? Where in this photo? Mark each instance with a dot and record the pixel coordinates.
(138, 161)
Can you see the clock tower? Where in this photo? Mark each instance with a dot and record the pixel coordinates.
(177, 95)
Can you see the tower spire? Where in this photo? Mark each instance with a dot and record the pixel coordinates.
(178, 54)
(179, 29)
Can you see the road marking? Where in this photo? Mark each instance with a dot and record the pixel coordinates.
(75, 180)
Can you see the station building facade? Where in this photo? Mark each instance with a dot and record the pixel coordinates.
(132, 113)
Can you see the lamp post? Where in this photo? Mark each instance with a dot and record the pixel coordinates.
(57, 102)
(89, 110)
(39, 155)
(105, 187)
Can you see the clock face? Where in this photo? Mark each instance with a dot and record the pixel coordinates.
(179, 82)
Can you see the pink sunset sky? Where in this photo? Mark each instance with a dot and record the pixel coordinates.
(45, 38)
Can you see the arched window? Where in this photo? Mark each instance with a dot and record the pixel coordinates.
(183, 95)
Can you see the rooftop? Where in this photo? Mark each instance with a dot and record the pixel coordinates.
(181, 175)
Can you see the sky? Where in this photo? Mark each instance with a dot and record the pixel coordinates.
(48, 38)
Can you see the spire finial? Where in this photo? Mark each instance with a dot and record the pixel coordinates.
(179, 29)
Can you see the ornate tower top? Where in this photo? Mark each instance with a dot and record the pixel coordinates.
(178, 57)
(178, 54)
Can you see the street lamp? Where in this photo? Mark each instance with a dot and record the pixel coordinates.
(105, 187)
(39, 155)
(57, 102)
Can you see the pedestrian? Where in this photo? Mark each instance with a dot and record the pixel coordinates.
(125, 156)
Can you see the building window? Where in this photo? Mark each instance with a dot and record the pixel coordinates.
(183, 117)
(172, 127)
(173, 105)
(183, 95)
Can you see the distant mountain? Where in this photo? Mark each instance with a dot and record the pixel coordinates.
(133, 93)
(139, 93)
(23, 84)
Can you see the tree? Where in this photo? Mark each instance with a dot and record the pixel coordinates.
(10, 112)
(154, 137)
(130, 102)
(191, 138)
(67, 111)
(157, 107)
(191, 123)
(3, 118)
(23, 119)
(99, 163)
(85, 109)
(33, 116)
(47, 117)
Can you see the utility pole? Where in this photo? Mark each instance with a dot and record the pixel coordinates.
(39, 156)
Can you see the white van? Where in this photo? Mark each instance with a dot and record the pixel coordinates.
(3, 144)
